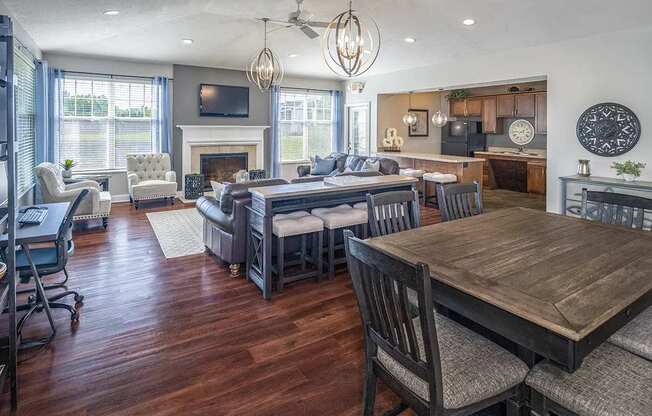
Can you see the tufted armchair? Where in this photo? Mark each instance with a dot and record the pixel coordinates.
(150, 176)
(97, 204)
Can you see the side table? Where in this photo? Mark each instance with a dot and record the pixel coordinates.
(102, 180)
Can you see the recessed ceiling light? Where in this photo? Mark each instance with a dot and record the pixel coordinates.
(292, 55)
(188, 41)
(468, 22)
(409, 40)
(112, 12)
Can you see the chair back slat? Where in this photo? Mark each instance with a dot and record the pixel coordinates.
(458, 201)
(616, 209)
(393, 212)
(381, 283)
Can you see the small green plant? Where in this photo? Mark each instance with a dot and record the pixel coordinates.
(628, 168)
(68, 164)
(457, 95)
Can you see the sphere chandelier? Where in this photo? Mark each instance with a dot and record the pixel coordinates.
(265, 69)
(439, 119)
(351, 43)
(410, 119)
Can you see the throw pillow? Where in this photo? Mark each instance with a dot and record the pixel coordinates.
(371, 166)
(217, 188)
(322, 166)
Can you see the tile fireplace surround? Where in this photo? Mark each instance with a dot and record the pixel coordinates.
(211, 136)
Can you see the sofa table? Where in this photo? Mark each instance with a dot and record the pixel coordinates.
(102, 180)
(270, 200)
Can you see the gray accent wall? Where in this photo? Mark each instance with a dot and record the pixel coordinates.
(187, 80)
(502, 140)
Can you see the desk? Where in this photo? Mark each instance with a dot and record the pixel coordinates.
(270, 200)
(45, 232)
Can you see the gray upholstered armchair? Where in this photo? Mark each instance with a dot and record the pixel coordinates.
(96, 205)
(150, 176)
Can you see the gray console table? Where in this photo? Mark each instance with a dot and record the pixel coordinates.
(571, 191)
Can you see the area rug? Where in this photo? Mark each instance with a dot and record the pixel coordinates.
(179, 232)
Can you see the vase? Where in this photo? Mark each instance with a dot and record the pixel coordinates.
(584, 167)
(628, 177)
(66, 173)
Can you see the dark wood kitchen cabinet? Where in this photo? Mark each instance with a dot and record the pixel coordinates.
(536, 177)
(541, 117)
(474, 107)
(457, 108)
(525, 105)
(489, 119)
(505, 106)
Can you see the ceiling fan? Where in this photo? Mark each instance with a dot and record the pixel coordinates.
(301, 19)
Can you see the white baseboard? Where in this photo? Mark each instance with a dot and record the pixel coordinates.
(115, 199)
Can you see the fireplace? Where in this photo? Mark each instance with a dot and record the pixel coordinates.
(221, 167)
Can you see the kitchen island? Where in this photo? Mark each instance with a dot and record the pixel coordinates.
(467, 169)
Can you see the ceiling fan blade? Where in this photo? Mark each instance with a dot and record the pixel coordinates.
(309, 32)
(280, 22)
(318, 24)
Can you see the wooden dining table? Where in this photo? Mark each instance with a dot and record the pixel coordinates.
(556, 287)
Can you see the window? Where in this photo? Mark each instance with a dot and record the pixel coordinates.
(306, 124)
(25, 103)
(104, 119)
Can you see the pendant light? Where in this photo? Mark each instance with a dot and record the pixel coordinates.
(439, 119)
(265, 69)
(409, 119)
(351, 43)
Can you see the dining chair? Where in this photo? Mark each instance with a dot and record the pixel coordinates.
(459, 200)
(614, 208)
(436, 366)
(392, 212)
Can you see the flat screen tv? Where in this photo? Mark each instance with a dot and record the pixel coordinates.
(223, 101)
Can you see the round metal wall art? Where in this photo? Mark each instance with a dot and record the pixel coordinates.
(608, 129)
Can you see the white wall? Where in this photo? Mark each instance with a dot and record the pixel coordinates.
(609, 67)
(107, 66)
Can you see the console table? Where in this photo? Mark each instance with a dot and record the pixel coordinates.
(102, 180)
(571, 191)
(270, 200)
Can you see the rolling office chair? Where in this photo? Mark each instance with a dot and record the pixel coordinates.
(51, 260)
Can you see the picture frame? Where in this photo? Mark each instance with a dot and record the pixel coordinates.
(422, 127)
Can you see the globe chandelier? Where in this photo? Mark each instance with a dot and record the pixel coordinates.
(410, 119)
(439, 119)
(265, 70)
(351, 43)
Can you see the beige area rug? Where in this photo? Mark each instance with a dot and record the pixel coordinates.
(179, 232)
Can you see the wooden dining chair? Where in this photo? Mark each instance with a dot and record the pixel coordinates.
(459, 200)
(392, 212)
(436, 366)
(616, 209)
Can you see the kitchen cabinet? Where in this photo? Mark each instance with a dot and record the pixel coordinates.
(489, 119)
(536, 177)
(514, 172)
(505, 105)
(525, 105)
(457, 108)
(474, 107)
(541, 117)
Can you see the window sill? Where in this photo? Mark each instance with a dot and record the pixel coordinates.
(296, 162)
(99, 172)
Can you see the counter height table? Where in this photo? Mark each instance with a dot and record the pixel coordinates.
(270, 200)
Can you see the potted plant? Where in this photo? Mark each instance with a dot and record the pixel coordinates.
(629, 170)
(67, 166)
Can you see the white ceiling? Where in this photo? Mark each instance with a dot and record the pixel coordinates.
(227, 35)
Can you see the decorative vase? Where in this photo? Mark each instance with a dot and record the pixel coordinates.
(584, 167)
(66, 173)
(628, 177)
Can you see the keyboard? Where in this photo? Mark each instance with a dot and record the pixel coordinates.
(33, 216)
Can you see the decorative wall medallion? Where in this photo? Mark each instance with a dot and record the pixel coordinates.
(608, 129)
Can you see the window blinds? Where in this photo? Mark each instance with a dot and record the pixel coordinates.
(104, 119)
(25, 103)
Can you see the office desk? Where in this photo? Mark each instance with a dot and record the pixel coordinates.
(45, 232)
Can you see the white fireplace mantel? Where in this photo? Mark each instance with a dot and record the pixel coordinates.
(195, 135)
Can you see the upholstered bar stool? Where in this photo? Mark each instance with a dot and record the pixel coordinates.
(435, 178)
(302, 225)
(336, 220)
(418, 174)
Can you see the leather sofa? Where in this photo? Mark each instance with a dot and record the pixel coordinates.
(354, 163)
(225, 221)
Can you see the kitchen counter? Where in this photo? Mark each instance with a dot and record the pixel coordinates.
(511, 155)
(429, 156)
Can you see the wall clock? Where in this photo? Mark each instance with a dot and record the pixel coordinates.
(521, 132)
(608, 129)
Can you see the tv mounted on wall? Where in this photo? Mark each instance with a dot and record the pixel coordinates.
(223, 101)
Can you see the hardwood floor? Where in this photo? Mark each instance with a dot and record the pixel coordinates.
(164, 336)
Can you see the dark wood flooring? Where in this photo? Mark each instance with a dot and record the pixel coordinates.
(178, 336)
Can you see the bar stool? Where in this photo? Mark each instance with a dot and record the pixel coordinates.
(436, 178)
(297, 224)
(416, 173)
(337, 219)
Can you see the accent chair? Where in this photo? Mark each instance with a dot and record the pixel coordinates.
(149, 177)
